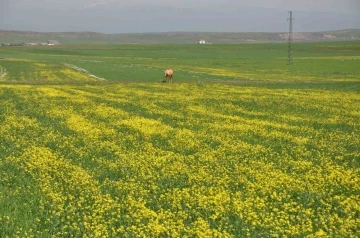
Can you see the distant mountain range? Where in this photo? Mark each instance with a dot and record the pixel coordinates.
(172, 37)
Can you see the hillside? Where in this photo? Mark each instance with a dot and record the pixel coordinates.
(172, 37)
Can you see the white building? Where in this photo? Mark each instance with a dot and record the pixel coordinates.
(202, 42)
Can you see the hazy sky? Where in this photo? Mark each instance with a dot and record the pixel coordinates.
(118, 16)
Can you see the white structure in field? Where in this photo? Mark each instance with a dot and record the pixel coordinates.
(202, 42)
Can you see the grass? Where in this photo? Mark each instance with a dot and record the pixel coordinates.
(240, 145)
(192, 63)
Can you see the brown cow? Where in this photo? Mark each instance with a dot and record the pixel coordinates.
(169, 73)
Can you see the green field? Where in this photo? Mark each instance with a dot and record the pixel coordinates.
(241, 144)
(192, 63)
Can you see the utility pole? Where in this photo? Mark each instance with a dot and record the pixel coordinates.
(290, 50)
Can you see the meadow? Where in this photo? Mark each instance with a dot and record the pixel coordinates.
(337, 61)
(92, 144)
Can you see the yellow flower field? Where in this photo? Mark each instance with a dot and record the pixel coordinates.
(178, 160)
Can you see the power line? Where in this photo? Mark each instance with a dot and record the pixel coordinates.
(290, 39)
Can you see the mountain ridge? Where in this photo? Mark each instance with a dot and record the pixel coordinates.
(92, 37)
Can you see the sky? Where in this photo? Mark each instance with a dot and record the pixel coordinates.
(132, 16)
